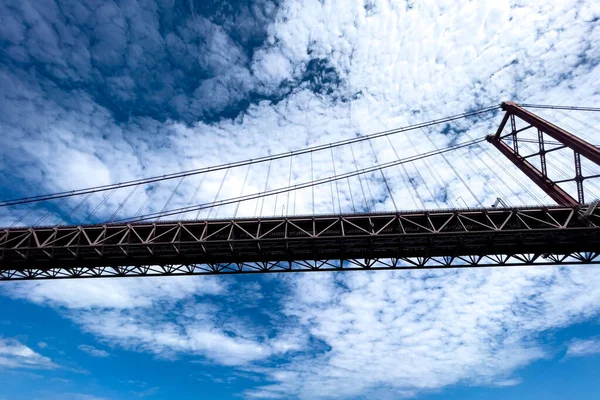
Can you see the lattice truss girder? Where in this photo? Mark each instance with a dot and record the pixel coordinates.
(402, 263)
(547, 235)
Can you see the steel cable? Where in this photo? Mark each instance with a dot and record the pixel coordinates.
(121, 185)
(306, 184)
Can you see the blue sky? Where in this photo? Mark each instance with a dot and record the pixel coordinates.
(103, 92)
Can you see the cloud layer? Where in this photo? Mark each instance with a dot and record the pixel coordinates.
(102, 93)
(342, 335)
(583, 347)
(168, 318)
(93, 95)
(405, 333)
(14, 354)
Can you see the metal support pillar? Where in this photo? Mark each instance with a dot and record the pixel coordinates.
(542, 153)
(579, 177)
(580, 146)
(540, 178)
(551, 189)
(513, 126)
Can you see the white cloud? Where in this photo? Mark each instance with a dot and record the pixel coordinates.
(271, 67)
(341, 335)
(583, 347)
(188, 328)
(418, 331)
(165, 317)
(80, 396)
(198, 336)
(14, 354)
(148, 392)
(92, 351)
(508, 382)
(113, 293)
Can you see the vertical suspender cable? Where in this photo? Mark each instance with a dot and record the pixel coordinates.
(436, 176)
(47, 214)
(287, 204)
(498, 192)
(332, 198)
(383, 176)
(454, 170)
(351, 196)
(388, 189)
(25, 215)
(406, 178)
(76, 208)
(266, 186)
(218, 192)
(121, 205)
(295, 192)
(337, 188)
(11, 209)
(170, 197)
(370, 193)
(148, 198)
(312, 179)
(369, 190)
(193, 198)
(275, 206)
(505, 169)
(106, 198)
(237, 206)
(360, 180)
(432, 194)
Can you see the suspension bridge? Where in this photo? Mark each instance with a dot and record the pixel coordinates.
(509, 185)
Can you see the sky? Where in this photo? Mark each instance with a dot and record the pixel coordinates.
(102, 92)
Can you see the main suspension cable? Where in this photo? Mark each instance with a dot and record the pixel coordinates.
(560, 107)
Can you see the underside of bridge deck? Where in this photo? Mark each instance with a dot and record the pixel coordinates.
(434, 239)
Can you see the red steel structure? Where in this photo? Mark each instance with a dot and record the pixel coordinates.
(435, 239)
(540, 177)
(568, 233)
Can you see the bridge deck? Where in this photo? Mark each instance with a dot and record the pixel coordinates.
(549, 235)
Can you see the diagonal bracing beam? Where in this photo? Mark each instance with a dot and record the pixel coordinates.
(540, 178)
(580, 146)
(553, 190)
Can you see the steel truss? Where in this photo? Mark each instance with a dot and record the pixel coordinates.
(553, 235)
(403, 263)
(565, 139)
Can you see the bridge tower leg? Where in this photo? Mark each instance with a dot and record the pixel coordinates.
(540, 177)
